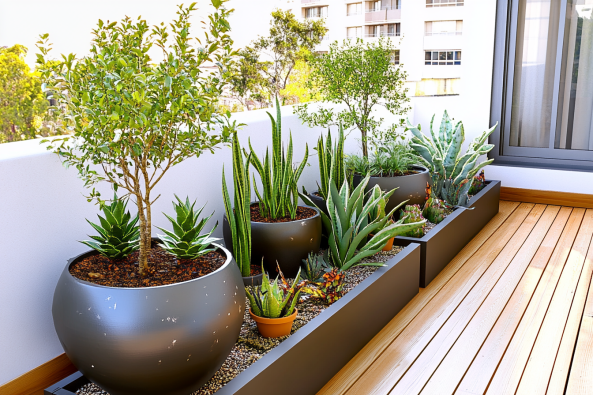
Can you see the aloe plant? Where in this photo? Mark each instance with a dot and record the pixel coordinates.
(119, 234)
(315, 266)
(239, 215)
(331, 162)
(274, 300)
(280, 196)
(452, 172)
(186, 242)
(351, 224)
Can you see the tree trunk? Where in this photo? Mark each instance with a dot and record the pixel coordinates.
(144, 236)
(365, 151)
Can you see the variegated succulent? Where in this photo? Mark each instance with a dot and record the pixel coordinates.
(330, 288)
(331, 162)
(452, 171)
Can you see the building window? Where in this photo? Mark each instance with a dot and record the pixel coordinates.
(442, 58)
(354, 9)
(354, 32)
(315, 12)
(543, 98)
(444, 3)
(395, 57)
(443, 28)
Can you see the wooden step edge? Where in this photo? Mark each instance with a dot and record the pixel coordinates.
(547, 197)
(35, 381)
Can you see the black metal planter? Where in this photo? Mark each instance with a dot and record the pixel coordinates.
(167, 339)
(449, 237)
(349, 323)
(287, 243)
(411, 187)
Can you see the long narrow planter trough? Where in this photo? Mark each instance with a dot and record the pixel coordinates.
(342, 330)
(445, 240)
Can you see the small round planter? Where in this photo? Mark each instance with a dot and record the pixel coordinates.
(274, 327)
(168, 339)
(412, 187)
(287, 243)
(252, 281)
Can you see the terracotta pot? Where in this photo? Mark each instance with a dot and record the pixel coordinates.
(389, 245)
(274, 327)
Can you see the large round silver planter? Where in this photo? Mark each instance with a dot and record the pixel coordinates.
(412, 187)
(287, 243)
(168, 339)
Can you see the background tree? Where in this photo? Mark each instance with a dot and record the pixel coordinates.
(135, 117)
(362, 77)
(296, 91)
(22, 103)
(247, 83)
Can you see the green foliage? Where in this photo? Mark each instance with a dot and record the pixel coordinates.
(22, 103)
(389, 159)
(361, 76)
(331, 162)
(186, 242)
(330, 288)
(239, 214)
(135, 117)
(479, 183)
(435, 210)
(274, 300)
(351, 223)
(452, 171)
(315, 266)
(119, 235)
(279, 179)
(264, 68)
(412, 213)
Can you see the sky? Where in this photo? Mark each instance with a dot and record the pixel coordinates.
(69, 22)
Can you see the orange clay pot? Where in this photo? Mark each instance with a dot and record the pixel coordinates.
(389, 245)
(274, 327)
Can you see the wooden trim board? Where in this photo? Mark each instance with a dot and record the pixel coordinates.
(546, 197)
(35, 381)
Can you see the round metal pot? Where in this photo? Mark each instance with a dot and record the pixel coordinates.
(253, 281)
(168, 339)
(287, 243)
(319, 202)
(412, 187)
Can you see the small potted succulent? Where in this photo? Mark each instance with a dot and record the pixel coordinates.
(283, 232)
(273, 306)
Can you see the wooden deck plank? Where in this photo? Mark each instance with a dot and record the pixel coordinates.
(580, 379)
(497, 308)
(342, 381)
(565, 353)
(384, 373)
(494, 289)
(508, 374)
(538, 371)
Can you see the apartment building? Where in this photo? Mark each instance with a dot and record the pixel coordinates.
(428, 35)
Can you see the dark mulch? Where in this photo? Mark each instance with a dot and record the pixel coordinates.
(407, 173)
(302, 213)
(255, 270)
(163, 269)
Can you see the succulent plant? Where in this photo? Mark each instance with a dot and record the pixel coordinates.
(435, 210)
(274, 300)
(412, 213)
(330, 287)
(478, 184)
(331, 162)
(315, 266)
(351, 224)
(452, 171)
(239, 215)
(119, 234)
(186, 242)
(280, 195)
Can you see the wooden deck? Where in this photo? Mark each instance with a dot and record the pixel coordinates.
(511, 314)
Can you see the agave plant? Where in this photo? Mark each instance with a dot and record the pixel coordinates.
(280, 196)
(351, 224)
(452, 171)
(119, 234)
(274, 300)
(239, 215)
(186, 242)
(331, 162)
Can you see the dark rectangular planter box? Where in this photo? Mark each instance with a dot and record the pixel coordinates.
(317, 351)
(445, 240)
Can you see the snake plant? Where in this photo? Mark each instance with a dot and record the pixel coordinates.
(452, 171)
(331, 162)
(119, 235)
(351, 224)
(280, 196)
(239, 215)
(186, 242)
(274, 300)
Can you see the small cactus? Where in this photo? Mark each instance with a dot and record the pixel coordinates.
(479, 182)
(410, 214)
(435, 210)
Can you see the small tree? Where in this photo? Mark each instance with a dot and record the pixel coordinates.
(363, 77)
(247, 83)
(136, 118)
(22, 103)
